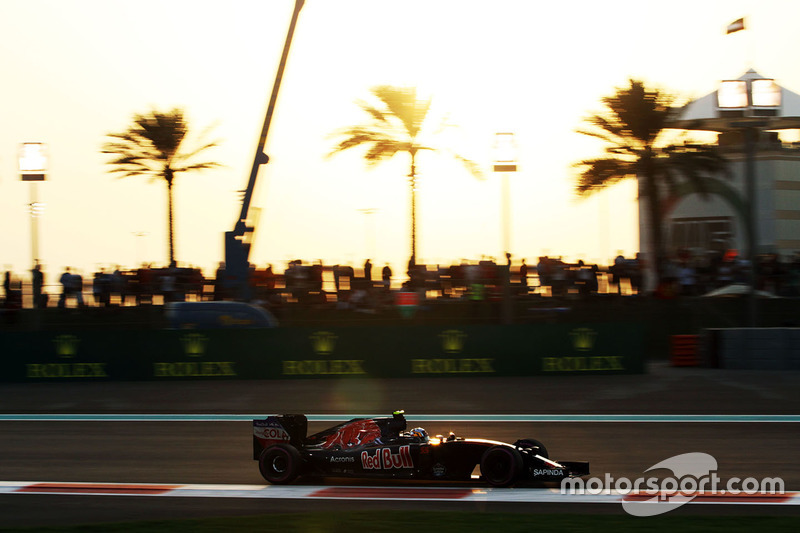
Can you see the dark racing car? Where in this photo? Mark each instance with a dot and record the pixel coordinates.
(381, 448)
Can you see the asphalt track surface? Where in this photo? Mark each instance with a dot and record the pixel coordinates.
(220, 452)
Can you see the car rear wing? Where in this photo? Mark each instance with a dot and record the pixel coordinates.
(289, 429)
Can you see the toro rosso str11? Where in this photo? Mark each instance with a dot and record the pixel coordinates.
(381, 448)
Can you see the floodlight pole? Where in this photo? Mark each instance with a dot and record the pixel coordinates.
(506, 207)
(750, 131)
(33, 168)
(750, 139)
(34, 206)
(505, 163)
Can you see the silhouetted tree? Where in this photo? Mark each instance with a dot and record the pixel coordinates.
(632, 124)
(153, 146)
(395, 125)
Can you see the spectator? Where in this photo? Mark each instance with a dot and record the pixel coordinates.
(66, 287)
(76, 282)
(13, 292)
(315, 277)
(386, 277)
(618, 271)
(543, 271)
(169, 280)
(523, 277)
(7, 285)
(583, 279)
(37, 277)
(687, 277)
(118, 285)
(368, 273)
(101, 290)
(558, 277)
(219, 282)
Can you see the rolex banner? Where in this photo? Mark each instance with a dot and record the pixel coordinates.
(289, 353)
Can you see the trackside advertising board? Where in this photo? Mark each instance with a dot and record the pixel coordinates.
(286, 353)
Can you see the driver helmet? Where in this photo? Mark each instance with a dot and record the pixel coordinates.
(419, 432)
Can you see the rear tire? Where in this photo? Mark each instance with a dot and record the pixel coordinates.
(280, 464)
(501, 466)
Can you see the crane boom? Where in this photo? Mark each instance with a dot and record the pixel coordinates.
(237, 245)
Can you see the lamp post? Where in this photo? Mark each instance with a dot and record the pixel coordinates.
(32, 168)
(749, 103)
(505, 162)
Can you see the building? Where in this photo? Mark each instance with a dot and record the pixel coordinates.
(747, 114)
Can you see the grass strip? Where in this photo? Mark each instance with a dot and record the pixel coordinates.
(445, 522)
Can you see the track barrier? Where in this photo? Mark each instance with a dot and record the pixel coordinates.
(683, 350)
(323, 352)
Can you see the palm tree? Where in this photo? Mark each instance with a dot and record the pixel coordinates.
(633, 124)
(153, 146)
(395, 125)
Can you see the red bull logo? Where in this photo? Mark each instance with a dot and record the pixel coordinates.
(357, 433)
(384, 459)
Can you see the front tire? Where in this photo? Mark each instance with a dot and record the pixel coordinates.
(501, 466)
(280, 464)
(538, 447)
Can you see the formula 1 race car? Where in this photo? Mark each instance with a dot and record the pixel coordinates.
(381, 448)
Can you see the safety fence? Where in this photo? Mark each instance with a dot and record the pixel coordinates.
(751, 348)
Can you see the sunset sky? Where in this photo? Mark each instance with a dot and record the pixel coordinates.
(76, 70)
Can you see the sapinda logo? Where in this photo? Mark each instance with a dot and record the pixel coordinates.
(548, 472)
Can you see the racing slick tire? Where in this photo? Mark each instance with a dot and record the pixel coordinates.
(501, 466)
(280, 464)
(533, 443)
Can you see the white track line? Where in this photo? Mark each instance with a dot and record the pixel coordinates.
(393, 493)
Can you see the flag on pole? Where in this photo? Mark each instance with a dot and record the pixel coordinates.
(736, 25)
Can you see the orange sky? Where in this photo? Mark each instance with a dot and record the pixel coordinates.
(77, 70)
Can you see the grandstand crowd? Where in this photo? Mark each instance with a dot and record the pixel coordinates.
(312, 283)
